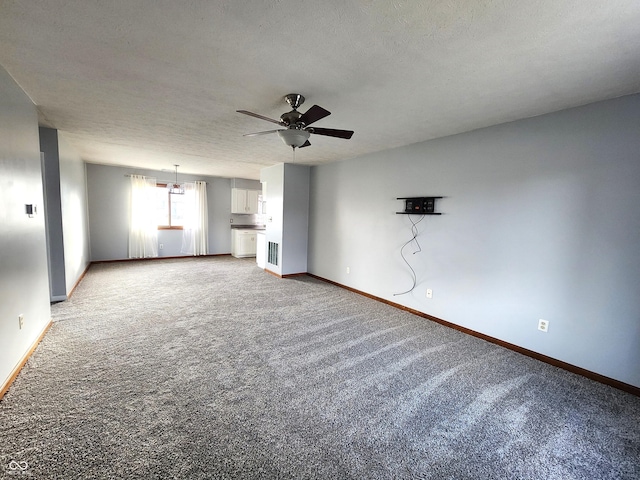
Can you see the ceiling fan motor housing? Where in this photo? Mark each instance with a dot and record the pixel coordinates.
(291, 118)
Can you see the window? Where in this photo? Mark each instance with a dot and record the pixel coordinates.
(169, 208)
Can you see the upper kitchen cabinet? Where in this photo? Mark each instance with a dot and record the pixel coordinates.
(244, 201)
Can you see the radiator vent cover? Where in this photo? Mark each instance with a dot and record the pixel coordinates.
(272, 255)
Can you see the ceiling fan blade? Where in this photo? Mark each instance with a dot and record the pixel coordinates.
(305, 144)
(314, 114)
(261, 133)
(332, 132)
(262, 117)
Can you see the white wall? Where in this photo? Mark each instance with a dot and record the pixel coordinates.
(273, 179)
(541, 220)
(108, 197)
(24, 283)
(75, 221)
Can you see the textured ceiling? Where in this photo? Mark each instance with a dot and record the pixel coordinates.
(152, 83)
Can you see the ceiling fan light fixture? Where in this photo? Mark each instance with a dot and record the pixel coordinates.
(294, 137)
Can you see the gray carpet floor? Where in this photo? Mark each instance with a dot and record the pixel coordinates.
(210, 368)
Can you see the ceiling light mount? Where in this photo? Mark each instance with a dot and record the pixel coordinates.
(294, 99)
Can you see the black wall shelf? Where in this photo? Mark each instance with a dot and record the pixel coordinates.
(418, 213)
(419, 206)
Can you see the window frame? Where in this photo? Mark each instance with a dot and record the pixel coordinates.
(168, 227)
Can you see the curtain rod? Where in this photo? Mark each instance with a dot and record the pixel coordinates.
(163, 181)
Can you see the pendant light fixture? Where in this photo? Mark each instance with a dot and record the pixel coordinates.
(176, 188)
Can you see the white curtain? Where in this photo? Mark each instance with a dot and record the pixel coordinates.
(143, 227)
(195, 233)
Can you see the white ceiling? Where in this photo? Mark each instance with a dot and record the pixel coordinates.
(153, 83)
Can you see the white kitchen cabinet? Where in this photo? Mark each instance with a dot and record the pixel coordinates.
(243, 243)
(244, 201)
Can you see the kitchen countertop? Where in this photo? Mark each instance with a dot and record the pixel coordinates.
(235, 226)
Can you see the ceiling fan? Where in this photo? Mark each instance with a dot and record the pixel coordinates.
(296, 129)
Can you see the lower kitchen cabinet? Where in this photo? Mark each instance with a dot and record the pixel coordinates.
(243, 243)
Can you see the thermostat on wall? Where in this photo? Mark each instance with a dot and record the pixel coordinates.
(30, 210)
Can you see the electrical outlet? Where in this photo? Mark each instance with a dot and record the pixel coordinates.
(543, 326)
(21, 321)
(231, 220)
(429, 293)
(161, 246)
(348, 269)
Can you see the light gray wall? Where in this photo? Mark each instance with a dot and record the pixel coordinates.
(295, 228)
(55, 236)
(287, 191)
(108, 197)
(541, 220)
(24, 282)
(67, 215)
(245, 183)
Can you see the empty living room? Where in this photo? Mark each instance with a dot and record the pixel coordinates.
(428, 269)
